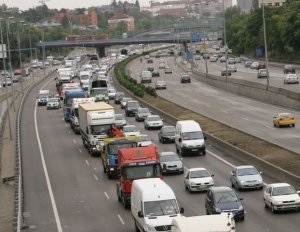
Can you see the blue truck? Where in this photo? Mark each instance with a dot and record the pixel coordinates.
(68, 99)
(110, 153)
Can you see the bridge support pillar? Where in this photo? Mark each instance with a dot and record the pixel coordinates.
(100, 51)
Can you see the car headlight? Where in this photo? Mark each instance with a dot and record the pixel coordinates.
(241, 207)
(211, 182)
(149, 227)
(93, 142)
(218, 210)
(241, 181)
(297, 201)
(76, 123)
(279, 202)
(193, 183)
(259, 180)
(184, 145)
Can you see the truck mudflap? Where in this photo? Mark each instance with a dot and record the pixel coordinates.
(125, 198)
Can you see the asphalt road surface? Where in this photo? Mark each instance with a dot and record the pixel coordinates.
(65, 188)
(250, 116)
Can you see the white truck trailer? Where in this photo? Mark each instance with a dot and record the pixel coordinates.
(95, 120)
(74, 119)
(223, 222)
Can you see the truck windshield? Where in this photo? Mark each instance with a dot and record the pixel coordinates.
(98, 91)
(84, 77)
(192, 135)
(113, 148)
(43, 95)
(100, 129)
(139, 172)
(159, 208)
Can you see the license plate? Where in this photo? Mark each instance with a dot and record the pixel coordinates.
(155, 123)
(194, 149)
(172, 169)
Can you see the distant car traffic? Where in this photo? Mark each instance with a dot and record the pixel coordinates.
(170, 162)
(17, 72)
(118, 97)
(153, 121)
(185, 79)
(142, 114)
(149, 61)
(120, 120)
(166, 134)
(238, 60)
(254, 65)
(223, 59)
(197, 57)
(124, 102)
(155, 73)
(144, 140)
(232, 68)
(162, 65)
(248, 63)
(284, 119)
(223, 72)
(130, 130)
(213, 59)
(53, 103)
(231, 61)
(168, 70)
(160, 85)
(262, 73)
(289, 69)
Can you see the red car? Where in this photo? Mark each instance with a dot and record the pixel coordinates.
(17, 72)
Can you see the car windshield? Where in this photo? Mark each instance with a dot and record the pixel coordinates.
(285, 115)
(156, 118)
(43, 95)
(144, 111)
(114, 148)
(159, 208)
(292, 76)
(130, 129)
(224, 197)
(263, 70)
(120, 95)
(126, 99)
(98, 91)
(199, 174)
(84, 77)
(160, 82)
(119, 117)
(284, 190)
(142, 138)
(185, 77)
(133, 104)
(53, 100)
(169, 158)
(169, 130)
(247, 171)
(100, 129)
(192, 135)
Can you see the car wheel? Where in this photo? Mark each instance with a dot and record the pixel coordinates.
(237, 186)
(136, 119)
(232, 185)
(136, 228)
(293, 125)
(266, 206)
(243, 218)
(260, 188)
(186, 187)
(190, 189)
(145, 126)
(274, 124)
(207, 213)
(204, 153)
(177, 150)
(273, 208)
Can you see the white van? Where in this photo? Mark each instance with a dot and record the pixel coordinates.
(84, 77)
(223, 222)
(146, 76)
(189, 138)
(153, 205)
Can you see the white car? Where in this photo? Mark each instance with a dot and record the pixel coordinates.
(111, 93)
(120, 120)
(147, 57)
(291, 78)
(254, 65)
(232, 68)
(281, 197)
(130, 130)
(144, 140)
(198, 179)
(124, 102)
(153, 121)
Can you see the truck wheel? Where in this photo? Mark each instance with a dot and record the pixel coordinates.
(83, 143)
(124, 204)
(136, 228)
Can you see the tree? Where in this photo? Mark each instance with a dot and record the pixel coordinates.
(65, 21)
(122, 27)
(137, 4)
(254, 4)
(63, 10)
(206, 14)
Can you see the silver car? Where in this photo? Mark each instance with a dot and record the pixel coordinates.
(124, 102)
(170, 162)
(231, 61)
(246, 177)
(153, 121)
(144, 140)
(262, 73)
(168, 70)
(120, 120)
(141, 114)
(53, 103)
(232, 68)
(291, 78)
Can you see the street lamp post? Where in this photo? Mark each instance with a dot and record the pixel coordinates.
(20, 56)
(8, 46)
(206, 69)
(265, 41)
(226, 48)
(4, 68)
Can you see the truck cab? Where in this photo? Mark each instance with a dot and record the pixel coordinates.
(68, 99)
(43, 97)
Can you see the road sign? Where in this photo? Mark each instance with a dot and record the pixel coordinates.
(259, 52)
(189, 55)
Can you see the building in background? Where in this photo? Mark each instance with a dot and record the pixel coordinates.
(5, 9)
(245, 5)
(272, 2)
(113, 21)
(89, 18)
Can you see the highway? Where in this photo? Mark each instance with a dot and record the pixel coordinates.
(65, 188)
(242, 113)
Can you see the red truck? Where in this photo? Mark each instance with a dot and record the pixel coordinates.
(136, 163)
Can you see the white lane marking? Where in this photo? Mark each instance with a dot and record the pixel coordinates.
(66, 125)
(219, 99)
(95, 177)
(226, 162)
(106, 195)
(80, 151)
(87, 162)
(245, 119)
(69, 132)
(270, 127)
(225, 111)
(58, 224)
(74, 140)
(63, 119)
(61, 113)
(208, 105)
(121, 219)
(252, 109)
(296, 136)
(195, 100)
(233, 104)
(206, 95)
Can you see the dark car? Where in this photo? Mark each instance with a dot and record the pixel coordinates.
(223, 72)
(141, 114)
(151, 69)
(166, 134)
(206, 56)
(131, 108)
(149, 61)
(157, 56)
(119, 97)
(224, 199)
(171, 163)
(155, 73)
(185, 79)
(289, 69)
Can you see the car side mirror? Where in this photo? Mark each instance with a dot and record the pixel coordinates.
(186, 177)
(260, 172)
(205, 137)
(241, 199)
(212, 175)
(181, 210)
(180, 140)
(140, 214)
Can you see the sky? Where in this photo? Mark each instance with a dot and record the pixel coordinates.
(69, 4)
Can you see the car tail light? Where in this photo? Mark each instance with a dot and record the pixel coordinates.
(292, 118)
(280, 119)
